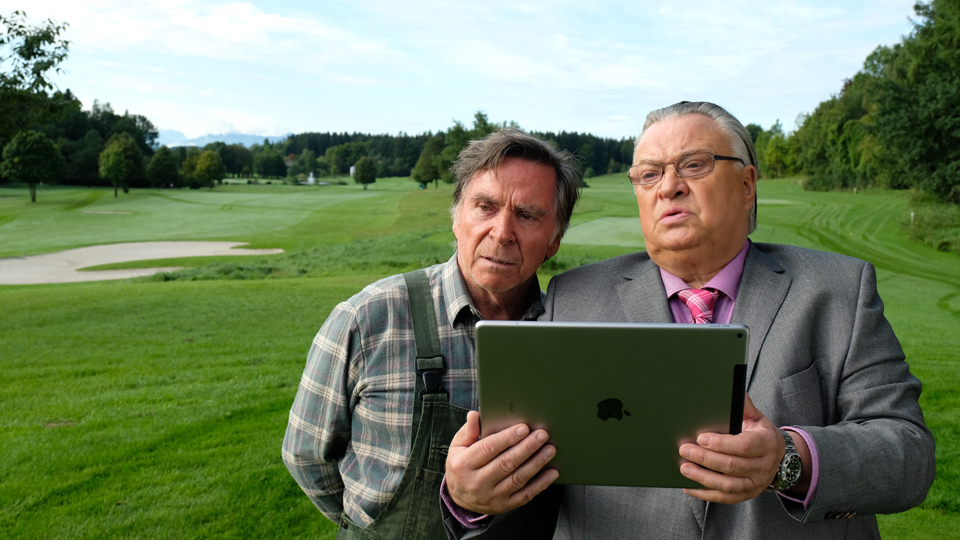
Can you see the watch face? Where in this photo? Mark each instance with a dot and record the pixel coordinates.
(791, 469)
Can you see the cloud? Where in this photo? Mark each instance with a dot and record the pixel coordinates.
(383, 65)
(237, 32)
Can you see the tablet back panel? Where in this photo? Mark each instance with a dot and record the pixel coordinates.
(617, 399)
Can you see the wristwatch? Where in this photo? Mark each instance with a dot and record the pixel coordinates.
(790, 466)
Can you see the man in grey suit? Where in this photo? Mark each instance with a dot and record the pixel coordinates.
(832, 431)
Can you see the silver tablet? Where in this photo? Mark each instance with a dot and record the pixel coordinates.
(617, 399)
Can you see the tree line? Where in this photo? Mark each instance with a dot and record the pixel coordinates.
(47, 136)
(895, 124)
(427, 157)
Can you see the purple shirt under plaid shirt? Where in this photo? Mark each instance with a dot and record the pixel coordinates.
(348, 439)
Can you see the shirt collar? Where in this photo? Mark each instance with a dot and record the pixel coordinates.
(458, 299)
(726, 281)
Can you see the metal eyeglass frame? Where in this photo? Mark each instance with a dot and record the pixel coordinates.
(680, 172)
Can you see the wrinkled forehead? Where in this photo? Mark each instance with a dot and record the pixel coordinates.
(672, 138)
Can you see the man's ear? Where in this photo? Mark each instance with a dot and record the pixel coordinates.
(454, 226)
(749, 177)
(554, 247)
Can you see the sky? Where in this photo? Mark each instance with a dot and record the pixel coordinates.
(383, 66)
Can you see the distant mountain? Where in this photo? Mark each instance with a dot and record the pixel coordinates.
(168, 137)
(173, 138)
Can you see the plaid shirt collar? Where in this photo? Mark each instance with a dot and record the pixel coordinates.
(457, 298)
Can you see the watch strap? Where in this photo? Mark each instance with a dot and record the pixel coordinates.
(790, 466)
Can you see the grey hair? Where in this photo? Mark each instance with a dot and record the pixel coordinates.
(731, 127)
(488, 153)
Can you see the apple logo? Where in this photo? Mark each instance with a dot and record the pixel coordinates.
(611, 408)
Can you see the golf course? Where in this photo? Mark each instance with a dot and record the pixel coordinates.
(154, 407)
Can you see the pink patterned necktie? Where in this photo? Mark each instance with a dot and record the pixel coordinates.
(700, 302)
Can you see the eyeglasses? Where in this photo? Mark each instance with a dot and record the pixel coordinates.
(647, 173)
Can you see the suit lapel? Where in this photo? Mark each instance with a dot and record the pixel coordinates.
(763, 287)
(641, 294)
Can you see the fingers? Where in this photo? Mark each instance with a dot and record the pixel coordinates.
(530, 479)
(733, 476)
(748, 444)
(726, 488)
(520, 463)
(499, 472)
(493, 448)
(734, 468)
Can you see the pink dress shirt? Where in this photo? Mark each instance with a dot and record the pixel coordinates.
(727, 282)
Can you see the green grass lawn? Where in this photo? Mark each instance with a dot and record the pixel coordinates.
(155, 408)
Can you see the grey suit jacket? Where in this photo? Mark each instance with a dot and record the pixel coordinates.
(822, 357)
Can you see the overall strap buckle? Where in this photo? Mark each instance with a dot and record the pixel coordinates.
(431, 370)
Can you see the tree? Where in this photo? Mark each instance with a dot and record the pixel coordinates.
(775, 150)
(916, 102)
(189, 165)
(324, 168)
(482, 126)
(34, 51)
(346, 155)
(121, 162)
(365, 172)
(83, 158)
(586, 154)
(140, 128)
(269, 164)
(69, 120)
(308, 161)
(27, 55)
(626, 152)
(108, 123)
(209, 169)
(457, 138)
(162, 169)
(235, 157)
(894, 123)
(425, 171)
(31, 158)
(613, 167)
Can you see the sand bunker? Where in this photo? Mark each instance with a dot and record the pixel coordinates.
(61, 267)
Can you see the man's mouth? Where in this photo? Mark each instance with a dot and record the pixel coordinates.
(673, 214)
(497, 261)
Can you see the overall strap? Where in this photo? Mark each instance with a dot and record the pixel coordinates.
(426, 336)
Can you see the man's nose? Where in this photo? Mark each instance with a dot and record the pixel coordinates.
(672, 184)
(504, 228)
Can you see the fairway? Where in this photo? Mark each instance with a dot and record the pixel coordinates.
(155, 407)
(611, 231)
(68, 218)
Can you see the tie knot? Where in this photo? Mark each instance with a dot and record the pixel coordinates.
(700, 302)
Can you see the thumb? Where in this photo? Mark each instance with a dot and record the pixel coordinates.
(750, 411)
(469, 432)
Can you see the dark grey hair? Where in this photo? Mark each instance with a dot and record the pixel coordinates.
(488, 153)
(731, 127)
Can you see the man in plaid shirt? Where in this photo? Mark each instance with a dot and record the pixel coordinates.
(349, 443)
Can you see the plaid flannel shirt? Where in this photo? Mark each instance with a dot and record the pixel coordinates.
(348, 439)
